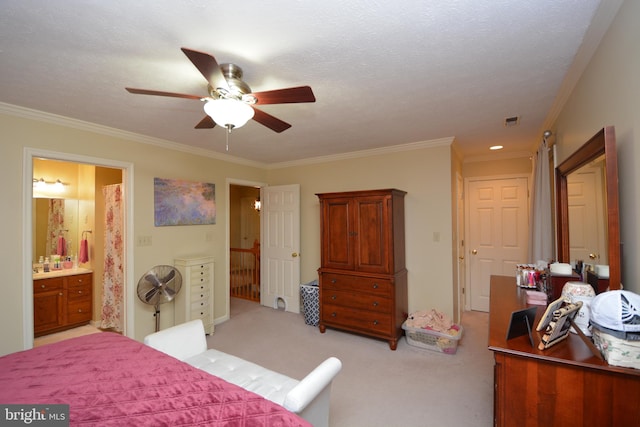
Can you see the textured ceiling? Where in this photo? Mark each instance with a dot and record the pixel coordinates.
(384, 73)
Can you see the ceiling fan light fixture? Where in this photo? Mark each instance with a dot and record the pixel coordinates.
(229, 113)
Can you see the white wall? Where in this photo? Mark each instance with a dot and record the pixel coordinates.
(149, 161)
(425, 175)
(608, 93)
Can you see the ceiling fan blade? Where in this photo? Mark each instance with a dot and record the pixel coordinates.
(270, 121)
(160, 93)
(285, 96)
(206, 123)
(208, 67)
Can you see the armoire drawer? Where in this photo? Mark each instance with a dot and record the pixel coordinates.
(358, 284)
(369, 321)
(375, 303)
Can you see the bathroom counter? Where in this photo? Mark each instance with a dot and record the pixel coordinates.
(61, 273)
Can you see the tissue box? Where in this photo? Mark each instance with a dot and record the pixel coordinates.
(561, 269)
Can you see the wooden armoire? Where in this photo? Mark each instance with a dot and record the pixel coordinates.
(362, 277)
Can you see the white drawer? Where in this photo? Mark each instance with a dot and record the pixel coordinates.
(199, 295)
(205, 315)
(200, 305)
(200, 269)
(194, 280)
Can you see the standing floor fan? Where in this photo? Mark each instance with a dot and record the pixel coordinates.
(159, 285)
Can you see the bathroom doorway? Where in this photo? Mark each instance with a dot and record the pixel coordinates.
(89, 175)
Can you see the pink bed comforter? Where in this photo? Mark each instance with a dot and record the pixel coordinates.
(111, 380)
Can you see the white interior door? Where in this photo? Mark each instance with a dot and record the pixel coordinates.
(587, 220)
(497, 233)
(280, 245)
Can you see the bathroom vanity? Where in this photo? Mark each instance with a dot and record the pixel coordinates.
(62, 299)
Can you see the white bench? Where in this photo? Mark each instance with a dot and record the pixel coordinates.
(308, 397)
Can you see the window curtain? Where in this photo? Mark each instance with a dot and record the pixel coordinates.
(113, 276)
(541, 229)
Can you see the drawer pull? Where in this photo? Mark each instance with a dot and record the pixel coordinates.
(42, 286)
(333, 297)
(60, 294)
(334, 314)
(333, 280)
(375, 286)
(375, 322)
(80, 292)
(79, 310)
(375, 303)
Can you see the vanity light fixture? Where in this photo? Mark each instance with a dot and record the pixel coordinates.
(496, 147)
(42, 185)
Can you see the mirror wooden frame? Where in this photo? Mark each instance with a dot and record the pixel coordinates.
(603, 142)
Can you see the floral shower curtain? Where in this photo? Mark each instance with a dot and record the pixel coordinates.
(55, 223)
(113, 279)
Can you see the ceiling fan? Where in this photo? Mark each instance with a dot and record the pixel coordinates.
(230, 102)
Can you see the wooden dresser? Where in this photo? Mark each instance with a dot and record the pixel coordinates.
(62, 302)
(195, 299)
(362, 277)
(565, 385)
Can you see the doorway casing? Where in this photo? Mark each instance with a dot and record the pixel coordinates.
(27, 233)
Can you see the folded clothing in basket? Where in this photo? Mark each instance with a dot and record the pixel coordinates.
(434, 320)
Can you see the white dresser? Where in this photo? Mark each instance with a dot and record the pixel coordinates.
(195, 300)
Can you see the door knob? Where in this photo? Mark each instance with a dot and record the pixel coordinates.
(294, 254)
(475, 251)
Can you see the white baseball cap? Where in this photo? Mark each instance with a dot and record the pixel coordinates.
(617, 310)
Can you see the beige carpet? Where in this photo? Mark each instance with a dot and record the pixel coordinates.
(65, 335)
(376, 387)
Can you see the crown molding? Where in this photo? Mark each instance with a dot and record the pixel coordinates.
(27, 113)
(365, 153)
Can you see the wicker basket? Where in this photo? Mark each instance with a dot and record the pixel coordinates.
(616, 351)
(433, 340)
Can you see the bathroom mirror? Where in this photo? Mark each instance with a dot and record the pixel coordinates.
(44, 236)
(599, 150)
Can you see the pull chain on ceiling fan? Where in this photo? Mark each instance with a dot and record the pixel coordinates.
(231, 103)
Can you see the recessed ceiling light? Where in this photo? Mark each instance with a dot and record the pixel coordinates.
(496, 147)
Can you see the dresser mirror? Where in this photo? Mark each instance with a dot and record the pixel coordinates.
(599, 151)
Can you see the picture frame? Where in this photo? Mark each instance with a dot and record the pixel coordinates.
(181, 202)
(560, 325)
(521, 323)
(548, 314)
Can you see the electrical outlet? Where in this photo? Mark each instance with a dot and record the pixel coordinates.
(144, 241)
